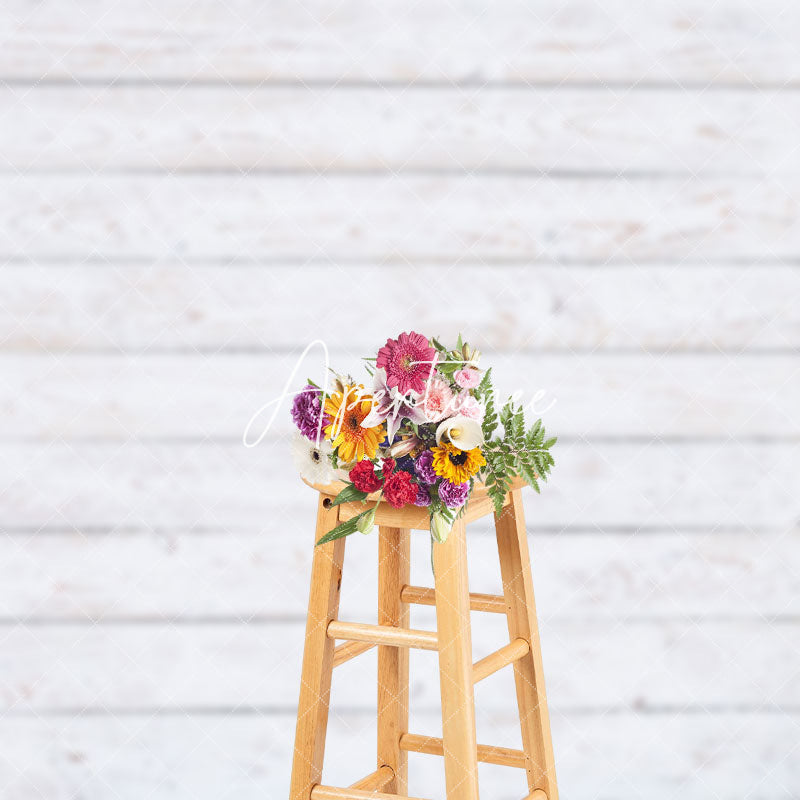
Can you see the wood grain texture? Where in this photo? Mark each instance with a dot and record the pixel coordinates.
(599, 130)
(320, 792)
(388, 635)
(211, 308)
(394, 571)
(569, 42)
(459, 743)
(600, 664)
(448, 218)
(192, 755)
(165, 485)
(683, 663)
(523, 624)
(433, 745)
(316, 672)
(191, 576)
(197, 396)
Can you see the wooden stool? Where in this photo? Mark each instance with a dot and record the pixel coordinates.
(393, 637)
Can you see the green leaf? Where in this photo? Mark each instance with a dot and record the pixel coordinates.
(348, 495)
(344, 529)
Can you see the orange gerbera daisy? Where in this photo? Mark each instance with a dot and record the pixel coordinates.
(347, 409)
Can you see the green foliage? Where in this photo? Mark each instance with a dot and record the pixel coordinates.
(485, 393)
(346, 528)
(519, 452)
(348, 495)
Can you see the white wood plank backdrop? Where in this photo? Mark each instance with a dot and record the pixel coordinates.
(603, 196)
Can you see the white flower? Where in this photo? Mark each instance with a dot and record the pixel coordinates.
(312, 462)
(463, 432)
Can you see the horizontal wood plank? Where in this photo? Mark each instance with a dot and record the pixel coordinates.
(164, 485)
(449, 218)
(195, 576)
(199, 396)
(589, 665)
(605, 130)
(192, 755)
(183, 307)
(571, 42)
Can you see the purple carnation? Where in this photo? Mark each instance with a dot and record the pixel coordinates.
(306, 411)
(423, 498)
(454, 495)
(423, 466)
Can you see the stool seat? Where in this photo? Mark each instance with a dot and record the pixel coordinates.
(452, 641)
(412, 517)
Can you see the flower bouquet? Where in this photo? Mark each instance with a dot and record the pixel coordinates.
(423, 435)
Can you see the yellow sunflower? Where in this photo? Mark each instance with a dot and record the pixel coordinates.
(346, 410)
(457, 466)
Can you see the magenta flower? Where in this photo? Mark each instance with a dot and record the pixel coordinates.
(307, 410)
(408, 361)
(423, 466)
(423, 498)
(454, 495)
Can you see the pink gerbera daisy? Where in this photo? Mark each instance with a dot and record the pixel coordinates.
(408, 361)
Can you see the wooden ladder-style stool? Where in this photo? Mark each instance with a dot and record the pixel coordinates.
(452, 640)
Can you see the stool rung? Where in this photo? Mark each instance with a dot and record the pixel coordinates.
(344, 652)
(537, 794)
(333, 793)
(508, 654)
(375, 781)
(504, 756)
(421, 596)
(383, 634)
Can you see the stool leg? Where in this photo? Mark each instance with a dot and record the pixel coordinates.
(515, 569)
(315, 682)
(455, 666)
(393, 574)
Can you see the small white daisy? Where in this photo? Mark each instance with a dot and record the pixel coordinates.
(313, 463)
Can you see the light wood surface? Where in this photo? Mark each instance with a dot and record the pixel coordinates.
(489, 754)
(348, 650)
(419, 595)
(386, 635)
(394, 570)
(649, 663)
(718, 309)
(191, 128)
(506, 655)
(315, 678)
(297, 217)
(63, 577)
(190, 744)
(147, 568)
(214, 395)
(515, 568)
(376, 781)
(671, 44)
(455, 665)
(158, 485)
(333, 793)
